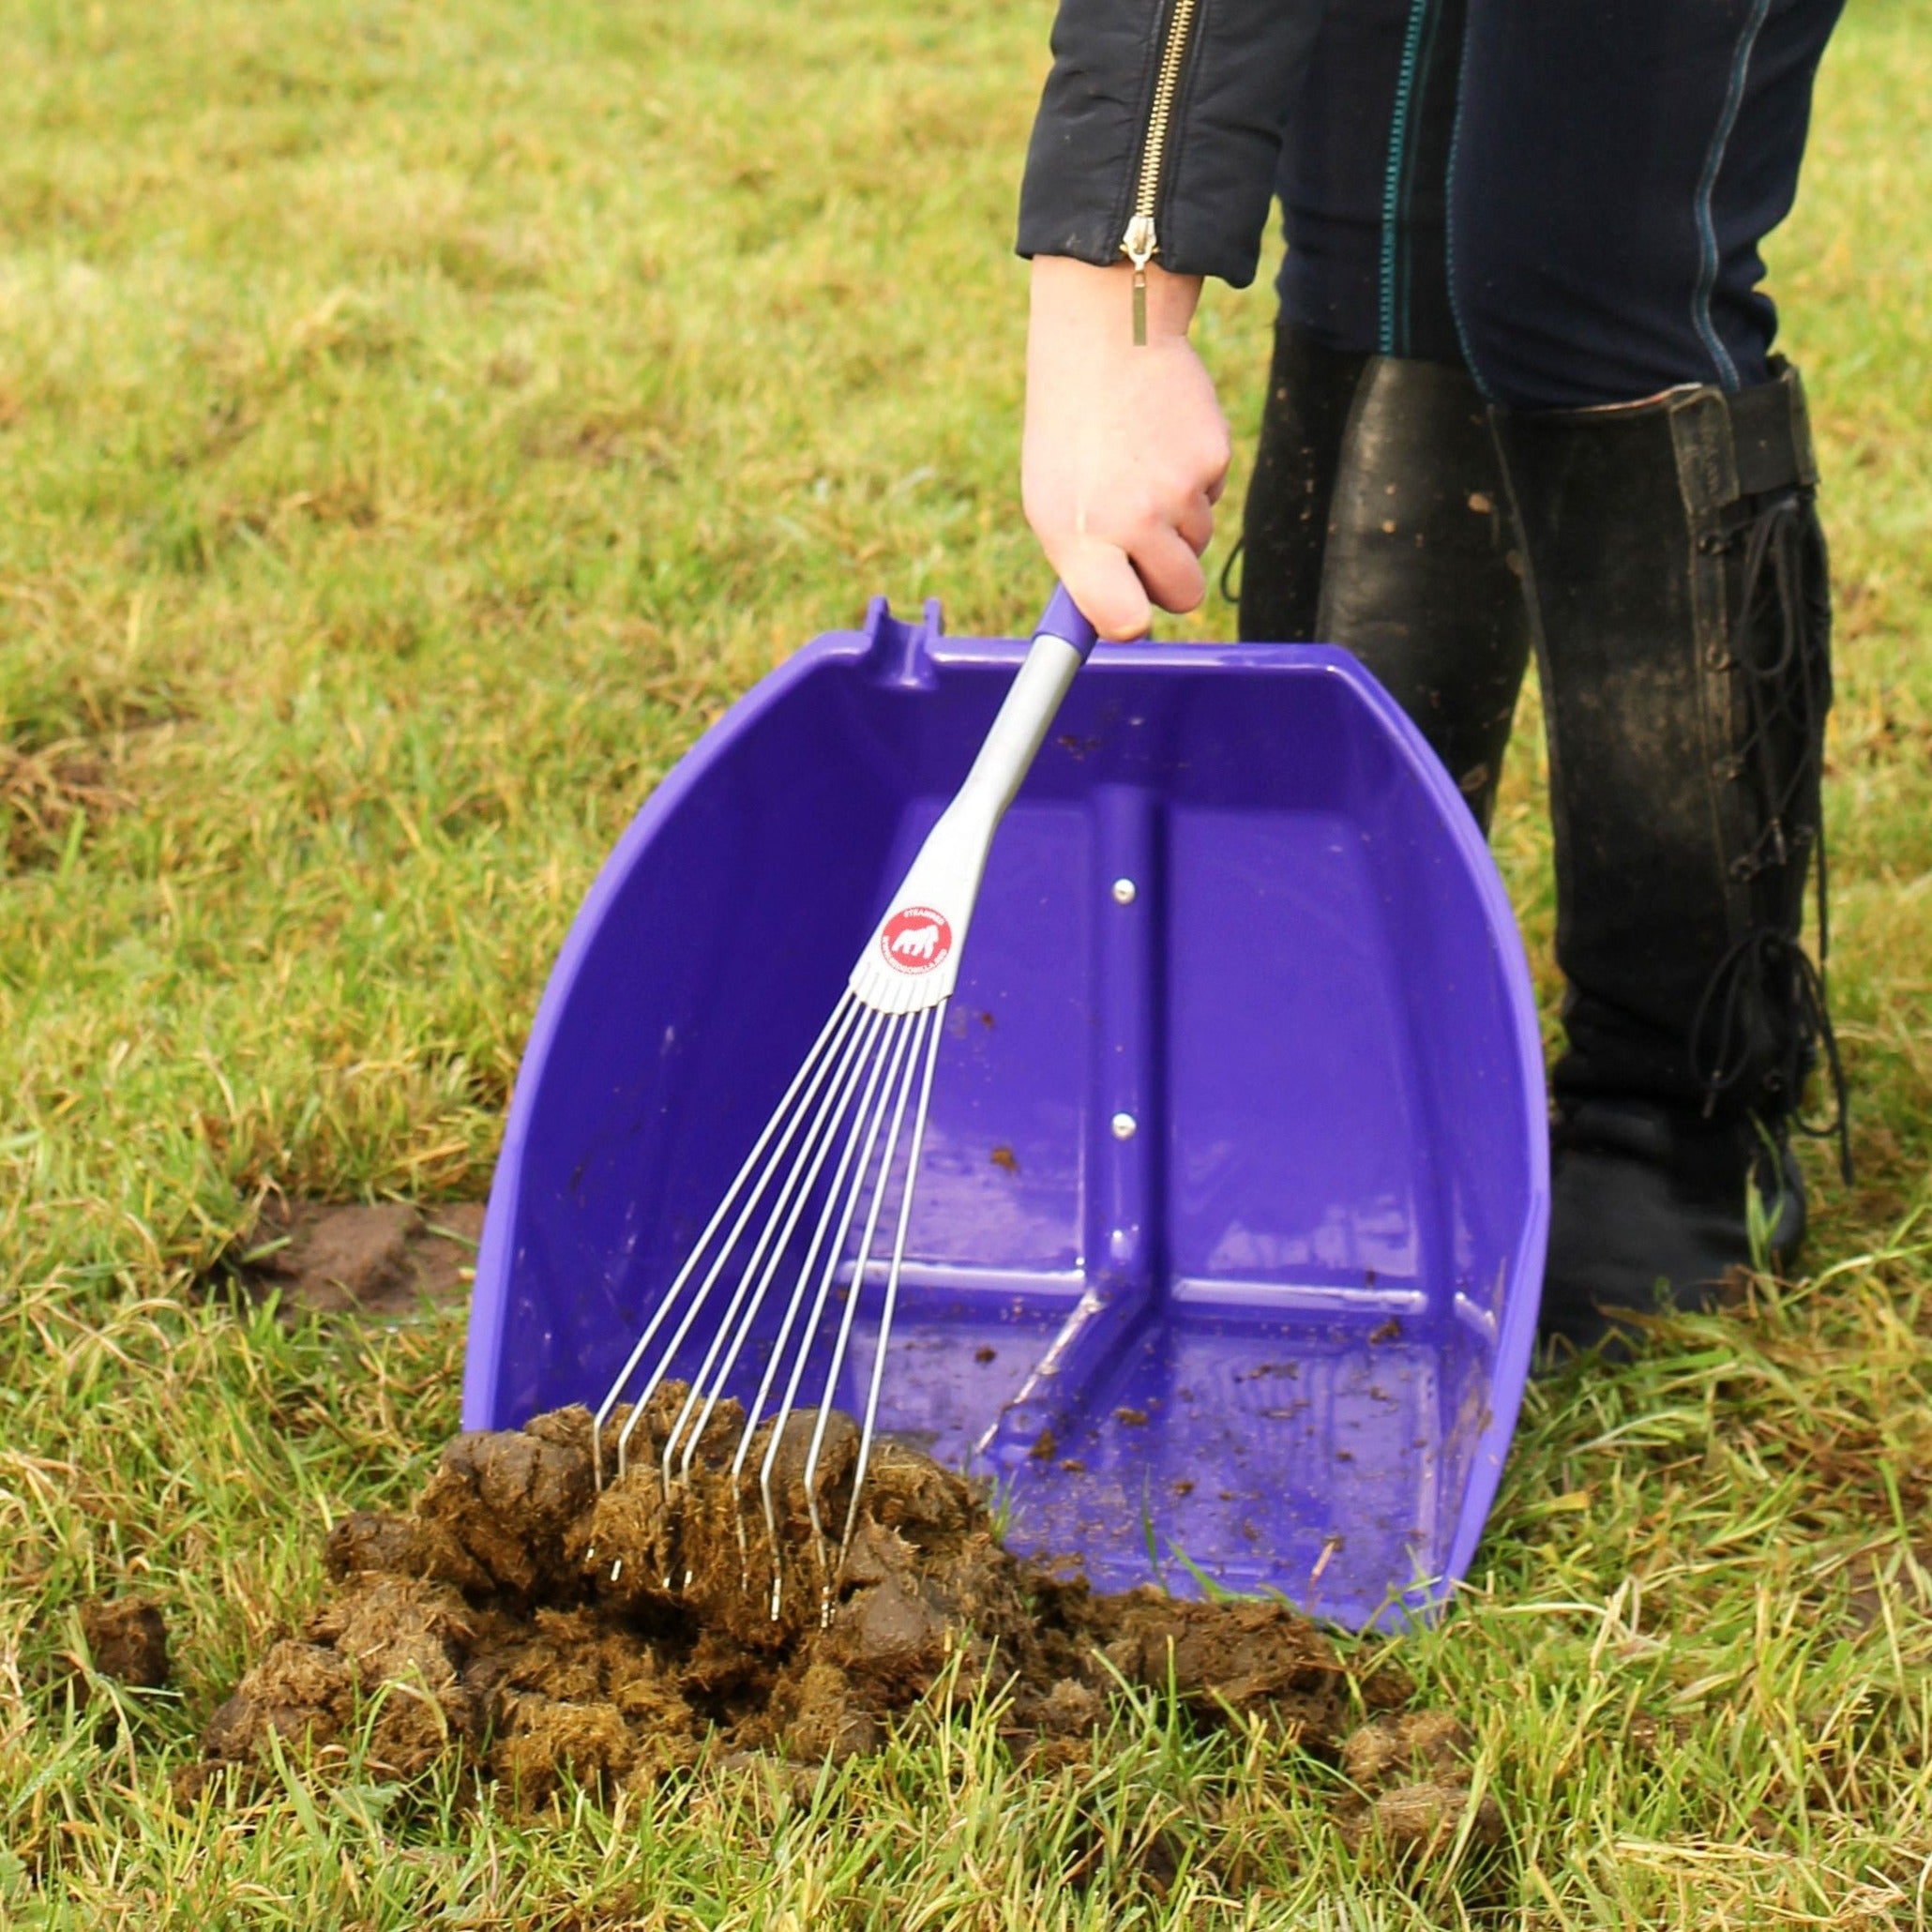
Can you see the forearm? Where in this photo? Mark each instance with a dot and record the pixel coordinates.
(1125, 446)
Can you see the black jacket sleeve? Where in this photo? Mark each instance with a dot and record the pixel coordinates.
(1242, 61)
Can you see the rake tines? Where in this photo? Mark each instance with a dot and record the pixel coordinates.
(846, 1110)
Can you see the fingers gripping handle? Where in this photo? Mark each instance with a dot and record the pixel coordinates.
(912, 959)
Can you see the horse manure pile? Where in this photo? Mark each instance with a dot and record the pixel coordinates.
(541, 1627)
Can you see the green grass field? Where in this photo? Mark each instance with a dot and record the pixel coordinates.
(417, 421)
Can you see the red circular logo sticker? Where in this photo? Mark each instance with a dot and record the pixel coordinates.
(915, 939)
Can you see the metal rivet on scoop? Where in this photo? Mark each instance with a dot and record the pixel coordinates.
(1125, 1126)
(1124, 890)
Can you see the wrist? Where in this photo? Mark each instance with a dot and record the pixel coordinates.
(1099, 301)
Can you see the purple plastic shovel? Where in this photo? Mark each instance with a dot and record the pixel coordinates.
(1227, 1236)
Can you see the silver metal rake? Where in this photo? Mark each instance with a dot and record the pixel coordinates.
(828, 1158)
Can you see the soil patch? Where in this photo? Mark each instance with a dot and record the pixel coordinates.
(330, 1258)
(42, 792)
(543, 1627)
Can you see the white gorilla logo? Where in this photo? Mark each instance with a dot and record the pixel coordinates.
(916, 942)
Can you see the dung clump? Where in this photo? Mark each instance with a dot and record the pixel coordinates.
(128, 1640)
(541, 1628)
(1412, 1794)
(495, 1513)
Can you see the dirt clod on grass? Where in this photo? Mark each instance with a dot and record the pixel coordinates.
(544, 1628)
(384, 1259)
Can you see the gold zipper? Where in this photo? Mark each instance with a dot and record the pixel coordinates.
(1139, 245)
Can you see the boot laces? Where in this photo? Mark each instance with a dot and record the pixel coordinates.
(1766, 973)
(1791, 688)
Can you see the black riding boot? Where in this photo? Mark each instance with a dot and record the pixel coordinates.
(1376, 520)
(1678, 578)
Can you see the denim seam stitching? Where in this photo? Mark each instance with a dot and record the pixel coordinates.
(1449, 230)
(1707, 187)
(1392, 184)
(1425, 70)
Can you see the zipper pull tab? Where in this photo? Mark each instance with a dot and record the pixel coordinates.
(1139, 247)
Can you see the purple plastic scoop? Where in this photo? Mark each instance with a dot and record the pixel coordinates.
(1224, 1255)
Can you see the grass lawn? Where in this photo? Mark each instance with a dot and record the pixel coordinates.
(417, 421)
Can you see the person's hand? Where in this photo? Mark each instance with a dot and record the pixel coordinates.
(1127, 448)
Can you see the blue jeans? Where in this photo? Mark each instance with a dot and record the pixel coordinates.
(1567, 196)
